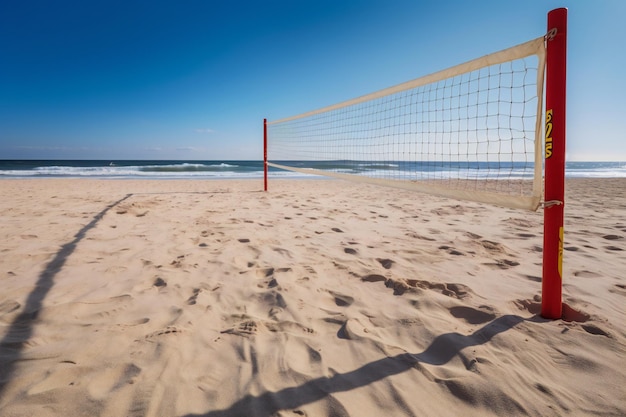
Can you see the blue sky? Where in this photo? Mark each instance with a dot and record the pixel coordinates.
(193, 79)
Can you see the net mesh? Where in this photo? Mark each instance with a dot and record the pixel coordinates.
(469, 132)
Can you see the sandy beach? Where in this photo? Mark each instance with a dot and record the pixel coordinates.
(316, 298)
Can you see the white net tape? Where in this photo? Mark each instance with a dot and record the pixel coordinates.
(471, 132)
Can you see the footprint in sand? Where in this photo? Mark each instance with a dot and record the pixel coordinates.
(159, 283)
(269, 272)
(418, 236)
(472, 315)
(502, 263)
(289, 327)
(533, 278)
(386, 263)
(133, 323)
(285, 252)
(103, 309)
(520, 222)
(451, 250)
(355, 329)
(194, 297)
(532, 306)
(265, 272)
(342, 300)
(178, 262)
(245, 328)
(272, 283)
(492, 247)
(619, 289)
(586, 274)
(373, 278)
(169, 330)
(400, 286)
(595, 330)
(29, 236)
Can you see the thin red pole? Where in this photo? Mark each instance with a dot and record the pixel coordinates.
(556, 53)
(265, 154)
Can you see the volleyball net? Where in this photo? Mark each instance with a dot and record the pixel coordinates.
(468, 132)
(473, 131)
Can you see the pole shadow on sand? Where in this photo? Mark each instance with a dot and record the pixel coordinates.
(441, 351)
(21, 329)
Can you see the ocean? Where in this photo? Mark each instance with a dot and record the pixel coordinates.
(141, 169)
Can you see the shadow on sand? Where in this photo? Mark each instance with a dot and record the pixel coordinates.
(21, 329)
(441, 351)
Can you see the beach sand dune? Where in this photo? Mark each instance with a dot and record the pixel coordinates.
(317, 298)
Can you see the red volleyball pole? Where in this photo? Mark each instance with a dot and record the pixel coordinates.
(265, 154)
(556, 53)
